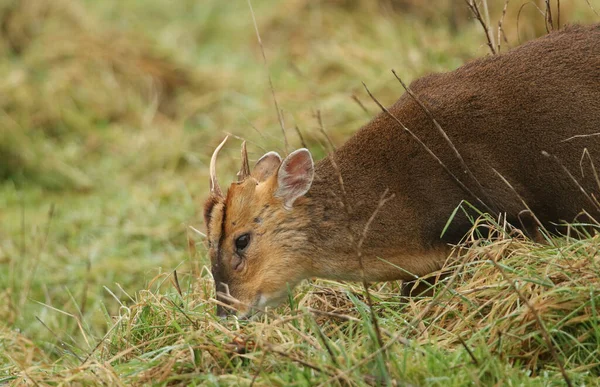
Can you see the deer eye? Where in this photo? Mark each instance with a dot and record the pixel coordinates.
(242, 242)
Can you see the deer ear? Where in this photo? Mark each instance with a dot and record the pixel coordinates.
(266, 166)
(295, 176)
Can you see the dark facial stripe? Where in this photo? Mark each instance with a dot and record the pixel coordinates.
(222, 236)
(209, 206)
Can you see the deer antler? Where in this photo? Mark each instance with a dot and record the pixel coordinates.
(245, 170)
(214, 184)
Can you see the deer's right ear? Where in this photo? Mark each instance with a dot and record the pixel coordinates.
(266, 166)
(295, 176)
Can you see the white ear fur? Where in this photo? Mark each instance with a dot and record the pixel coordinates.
(295, 176)
(266, 166)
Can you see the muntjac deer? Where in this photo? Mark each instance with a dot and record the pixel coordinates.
(514, 134)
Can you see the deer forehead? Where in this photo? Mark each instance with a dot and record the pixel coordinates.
(246, 203)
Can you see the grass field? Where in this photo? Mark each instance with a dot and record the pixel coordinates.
(109, 112)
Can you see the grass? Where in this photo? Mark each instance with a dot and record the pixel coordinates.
(109, 113)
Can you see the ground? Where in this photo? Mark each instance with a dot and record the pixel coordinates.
(109, 114)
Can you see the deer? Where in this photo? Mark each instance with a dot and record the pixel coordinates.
(515, 134)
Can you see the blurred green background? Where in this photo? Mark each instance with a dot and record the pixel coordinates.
(110, 110)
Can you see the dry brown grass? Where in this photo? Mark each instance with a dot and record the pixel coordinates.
(164, 337)
(93, 76)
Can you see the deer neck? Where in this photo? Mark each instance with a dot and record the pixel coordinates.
(343, 246)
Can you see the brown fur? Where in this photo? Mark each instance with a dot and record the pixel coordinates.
(501, 113)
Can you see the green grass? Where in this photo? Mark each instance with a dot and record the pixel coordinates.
(109, 112)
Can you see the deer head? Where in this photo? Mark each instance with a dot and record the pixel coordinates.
(251, 236)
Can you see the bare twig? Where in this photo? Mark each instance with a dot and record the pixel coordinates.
(344, 202)
(463, 164)
(580, 136)
(427, 149)
(244, 139)
(486, 13)
(262, 50)
(501, 34)
(472, 4)
(384, 199)
(548, 17)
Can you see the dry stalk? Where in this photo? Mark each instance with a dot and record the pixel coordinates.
(472, 4)
(427, 149)
(175, 280)
(184, 314)
(347, 208)
(259, 369)
(83, 302)
(63, 344)
(466, 169)
(333, 315)
(519, 16)
(592, 8)
(581, 189)
(501, 34)
(270, 348)
(362, 106)
(322, 129)
(100, 342)
(325, 343)
(547, 16)
(528, 209)
(384, 199)
(229, 134)
(31, 276)
(300, 136)
(581, 136)
(344, 374)
(260, 133)
(262, 50)
(592, 165)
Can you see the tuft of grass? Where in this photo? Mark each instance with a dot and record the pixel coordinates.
(476, 329)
